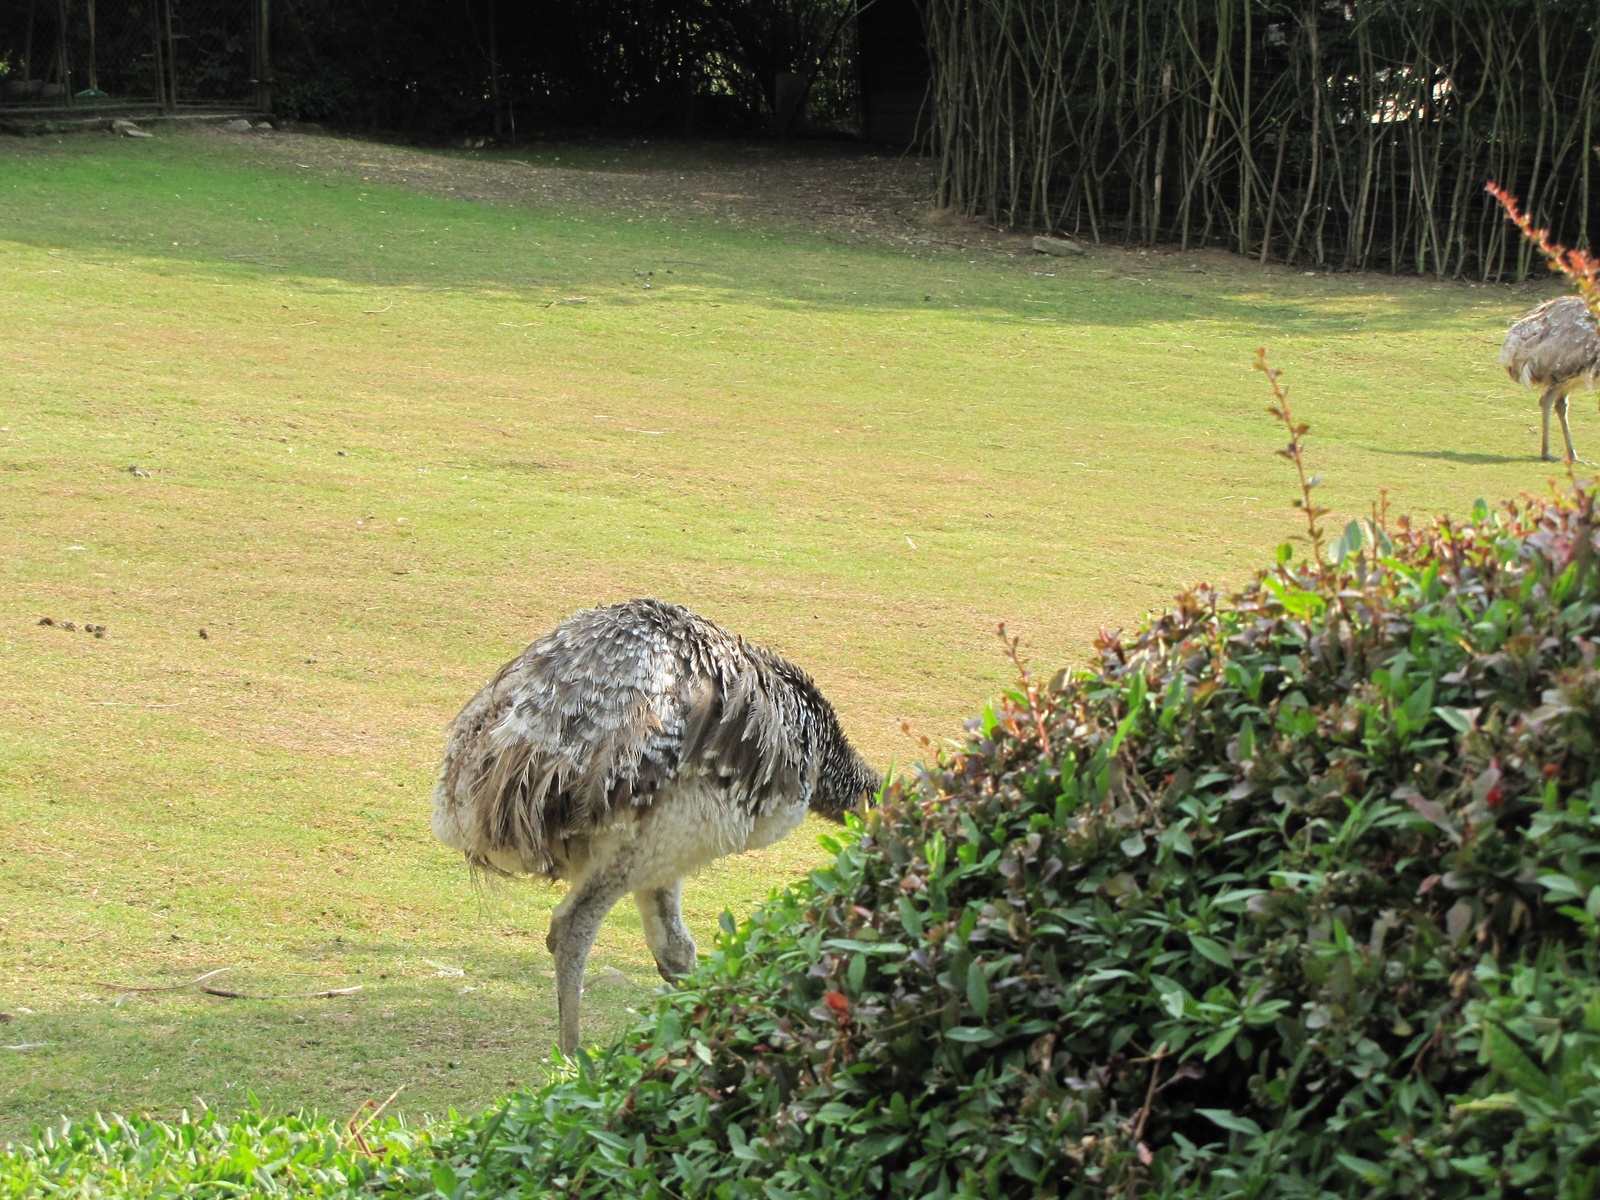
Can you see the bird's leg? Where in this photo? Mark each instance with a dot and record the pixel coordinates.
(661, 910)
(1566, 432)
(1545, 403)
(572, 932)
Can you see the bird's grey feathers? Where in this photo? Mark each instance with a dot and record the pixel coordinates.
(1555, 343)
(589, 725)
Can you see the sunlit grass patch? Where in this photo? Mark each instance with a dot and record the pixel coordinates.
(383, 439)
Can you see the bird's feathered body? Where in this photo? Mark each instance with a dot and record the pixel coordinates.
(1555, 348)
(625, 749)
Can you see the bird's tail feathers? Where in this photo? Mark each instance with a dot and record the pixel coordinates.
(510, 796)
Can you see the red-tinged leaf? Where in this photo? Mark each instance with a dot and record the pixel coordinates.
(838, 1002)
(1431, 811)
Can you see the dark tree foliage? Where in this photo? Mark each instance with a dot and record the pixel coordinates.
(1296, 893)
(419, 67)
(494, 67)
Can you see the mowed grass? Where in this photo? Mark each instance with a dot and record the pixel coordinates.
(384, 440)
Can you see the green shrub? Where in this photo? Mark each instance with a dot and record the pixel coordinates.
(1296, 893)
(200, 1156)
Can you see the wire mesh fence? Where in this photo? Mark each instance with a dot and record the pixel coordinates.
(87, 54)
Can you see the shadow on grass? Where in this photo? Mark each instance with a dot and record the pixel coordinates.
(454, 1042)
(1460, 456)
(181, 203)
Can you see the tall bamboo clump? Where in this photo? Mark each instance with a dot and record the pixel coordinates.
(1353, 134)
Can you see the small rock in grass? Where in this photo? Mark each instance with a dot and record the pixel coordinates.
(1060, 247)
(237, 125)
(204, 636)
(69, 626)
(47, 620)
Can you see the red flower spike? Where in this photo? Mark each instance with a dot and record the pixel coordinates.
(1579, 266)
(839, 1003)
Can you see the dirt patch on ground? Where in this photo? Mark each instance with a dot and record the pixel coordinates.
(846, 193)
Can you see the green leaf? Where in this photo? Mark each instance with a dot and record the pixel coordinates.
(910, 918)
(977, 1035)
(1367, 1171)
(856, 946)
(978, 991)
(1496, 1102)
(1211, 949)
(1419, 704)
(1559, 888)
(1228, 1120)
(1507, 1057)
(443, 1176)
(1218, 1042)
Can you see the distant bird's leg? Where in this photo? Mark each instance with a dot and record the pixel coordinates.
(1545, 403)
(1566, 431)
(572, 932)
(661, 910)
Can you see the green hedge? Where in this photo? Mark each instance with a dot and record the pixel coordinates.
(1296, 893)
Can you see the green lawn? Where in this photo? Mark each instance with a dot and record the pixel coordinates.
(384, 439)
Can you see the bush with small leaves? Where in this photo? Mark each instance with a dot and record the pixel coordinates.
(1296, 893)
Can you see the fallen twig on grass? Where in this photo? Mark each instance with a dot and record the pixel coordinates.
(357, 1130)
(169, 987)
(384, 309)
(349, 991)
(311, 974)
(132, 704)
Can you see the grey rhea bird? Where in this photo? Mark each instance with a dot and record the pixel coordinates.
(623, 750)
(1555, 348)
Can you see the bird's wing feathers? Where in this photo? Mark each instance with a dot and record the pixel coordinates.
(595, 718)
(1554, 343)
(748, 735)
